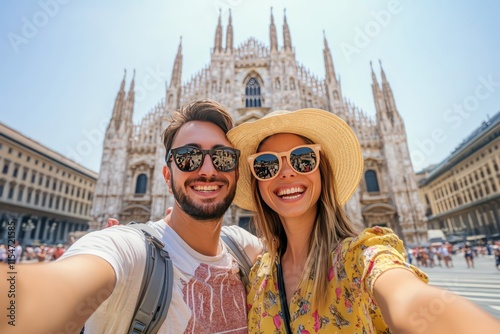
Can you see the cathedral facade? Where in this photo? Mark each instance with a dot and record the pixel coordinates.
(252, 80)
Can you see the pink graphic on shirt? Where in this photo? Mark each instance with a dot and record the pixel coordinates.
(217, 301)
(331, 273)
(338, 292)
(277, 321)
(317, 323)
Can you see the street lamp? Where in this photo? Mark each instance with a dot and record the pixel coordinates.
(4, 229)
(52, 229)
(27, 228)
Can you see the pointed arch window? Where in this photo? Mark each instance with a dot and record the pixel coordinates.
(141, 184)
(252, 94)
(371, 181)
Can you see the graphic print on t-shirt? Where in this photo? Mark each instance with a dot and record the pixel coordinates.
(217, 301)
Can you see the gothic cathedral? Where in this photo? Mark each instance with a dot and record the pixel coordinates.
(252, 80)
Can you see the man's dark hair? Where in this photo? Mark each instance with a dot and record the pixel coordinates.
(202, 110)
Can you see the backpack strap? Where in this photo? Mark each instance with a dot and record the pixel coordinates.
(237, 252)
(156, 288)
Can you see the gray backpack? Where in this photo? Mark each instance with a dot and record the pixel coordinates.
(156, 288)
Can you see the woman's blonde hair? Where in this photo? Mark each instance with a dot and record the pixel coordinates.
(330, 227)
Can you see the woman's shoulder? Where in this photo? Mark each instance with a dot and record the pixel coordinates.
(263, 265)
(372, 237)
(372, 252)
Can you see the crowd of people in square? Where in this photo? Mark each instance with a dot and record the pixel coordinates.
(30, 253)
(441, 254)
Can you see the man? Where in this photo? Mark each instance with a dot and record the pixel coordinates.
(100, 275)
(18, 251)
(58, 252)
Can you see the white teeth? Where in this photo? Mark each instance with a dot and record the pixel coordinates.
(206, 188)
(296, 191)
(291, 197)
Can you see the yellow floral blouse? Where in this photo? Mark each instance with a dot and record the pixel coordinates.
(357, 263)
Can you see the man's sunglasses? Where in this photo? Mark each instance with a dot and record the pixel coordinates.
(304, 159)
(190, 158)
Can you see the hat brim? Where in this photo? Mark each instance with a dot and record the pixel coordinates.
(338, 143)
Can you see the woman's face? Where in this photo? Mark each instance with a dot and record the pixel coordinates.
(290, 194)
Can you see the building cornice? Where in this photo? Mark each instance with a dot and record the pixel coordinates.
(37, 148)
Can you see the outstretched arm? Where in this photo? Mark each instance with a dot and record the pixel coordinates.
(54, 297)
(411, 306)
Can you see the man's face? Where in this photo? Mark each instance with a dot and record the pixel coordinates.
(206, 193)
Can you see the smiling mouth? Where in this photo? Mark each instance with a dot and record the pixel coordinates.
(290, 193)
(207, 189)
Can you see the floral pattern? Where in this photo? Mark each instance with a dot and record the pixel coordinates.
(357, 263)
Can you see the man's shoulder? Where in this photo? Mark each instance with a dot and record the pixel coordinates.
(115, 238)
(237, 232)
(246, 240)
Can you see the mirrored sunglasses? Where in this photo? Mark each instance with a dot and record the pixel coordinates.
(190, 158)
(304, 159)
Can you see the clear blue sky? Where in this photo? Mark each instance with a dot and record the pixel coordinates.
(61, 65)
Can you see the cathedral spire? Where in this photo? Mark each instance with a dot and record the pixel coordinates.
(128, 110)
(384, 79)
(388, 96)
(229, 34)
(386, 87)
(327, 55)
(218, 36)
(131, 91)
(122, 87)
(177, 71)
(385, 104)
(272, 34)
(119, 103)
(132, 83)
(377, 97)
(375, 86)
(287, 40)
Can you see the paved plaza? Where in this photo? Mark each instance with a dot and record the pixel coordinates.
(480, 285)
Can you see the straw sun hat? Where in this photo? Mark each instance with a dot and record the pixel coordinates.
(338, 143)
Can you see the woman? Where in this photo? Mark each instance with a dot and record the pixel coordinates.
(469, 256)
(319, 274)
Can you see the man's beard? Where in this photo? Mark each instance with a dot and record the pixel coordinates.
(203, 211)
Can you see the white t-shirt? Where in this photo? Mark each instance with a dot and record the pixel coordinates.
(18, 252)
(3, 254)
(207, 296)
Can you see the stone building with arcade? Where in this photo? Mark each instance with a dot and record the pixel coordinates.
(44, 195)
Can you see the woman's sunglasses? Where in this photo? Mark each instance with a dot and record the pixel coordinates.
(304, 159)
(190, 158)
